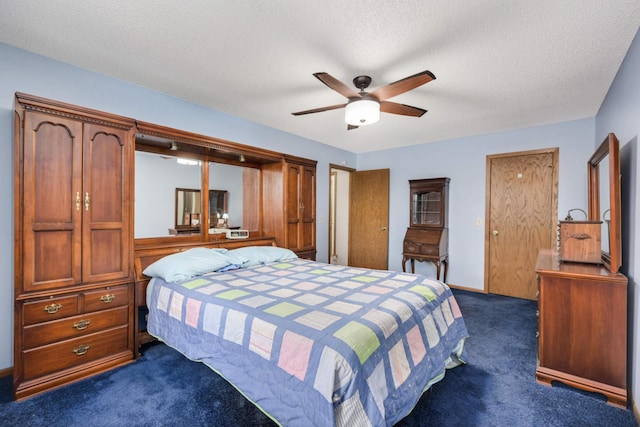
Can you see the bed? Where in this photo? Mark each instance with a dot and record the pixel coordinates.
(308, 343)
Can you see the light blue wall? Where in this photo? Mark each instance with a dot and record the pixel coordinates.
(21, 71)
(620, 113)
(464, 161)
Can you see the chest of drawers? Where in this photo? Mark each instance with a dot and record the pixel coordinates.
(65, 337)
(582, 327)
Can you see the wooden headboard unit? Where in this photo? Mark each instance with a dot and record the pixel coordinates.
(148, 254)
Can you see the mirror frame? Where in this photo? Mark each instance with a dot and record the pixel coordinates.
(190, 226)
(612, 260)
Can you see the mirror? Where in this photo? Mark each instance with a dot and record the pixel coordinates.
(225, 174)
(237, 194)
(157, 178)
(605, 205)
(188, 208)
(604, 199)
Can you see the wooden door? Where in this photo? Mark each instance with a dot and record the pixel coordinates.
(369, 219)
(522, 211)
(106, 204)
(52, 211)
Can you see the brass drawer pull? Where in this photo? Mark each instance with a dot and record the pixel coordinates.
(83, 324)
(107, 298)
(52, 308)
(81, 349)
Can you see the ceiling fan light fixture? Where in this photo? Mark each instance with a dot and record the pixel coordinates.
(362, 112)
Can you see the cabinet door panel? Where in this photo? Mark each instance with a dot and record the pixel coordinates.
(293, 206)
(105, 226)
(308, 214)
(293, 191)
(52, 218)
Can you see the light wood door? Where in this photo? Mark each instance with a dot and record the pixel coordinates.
(522, 211)
(369, 219)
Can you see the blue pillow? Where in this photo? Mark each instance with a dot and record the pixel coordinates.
(257, 255)
(188, 264)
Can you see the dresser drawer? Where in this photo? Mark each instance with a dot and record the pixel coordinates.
(106, 298)
(412, 248)
(50, 309)
(75, 326)
(428, 250)
(66, 354)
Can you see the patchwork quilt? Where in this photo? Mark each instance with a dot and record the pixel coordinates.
(312, 343)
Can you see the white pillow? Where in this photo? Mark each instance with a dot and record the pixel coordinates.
(190, 263)
(257, 255)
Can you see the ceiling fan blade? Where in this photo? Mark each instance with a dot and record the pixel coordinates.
(319, 110)
(402, 86)
(403, 110)
(337, 85)
(349, 127)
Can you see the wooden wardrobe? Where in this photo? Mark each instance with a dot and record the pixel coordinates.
(73, 244)
(292, 184)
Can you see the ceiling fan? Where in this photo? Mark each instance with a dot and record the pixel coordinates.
(363, 107)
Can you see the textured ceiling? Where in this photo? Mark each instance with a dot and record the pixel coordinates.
(499, 65)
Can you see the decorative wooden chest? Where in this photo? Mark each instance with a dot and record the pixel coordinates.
(580, 241)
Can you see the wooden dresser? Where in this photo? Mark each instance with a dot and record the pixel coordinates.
(427, 238)
(582, 327)
(74, 295)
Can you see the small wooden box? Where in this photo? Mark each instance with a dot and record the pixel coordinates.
(580, 241)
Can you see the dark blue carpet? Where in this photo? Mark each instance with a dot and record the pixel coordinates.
(496, 388)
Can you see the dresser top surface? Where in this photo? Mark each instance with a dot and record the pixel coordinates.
(548, 263)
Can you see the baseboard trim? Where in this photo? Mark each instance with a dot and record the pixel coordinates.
(634, 407)
(6, 372)
(464, 288)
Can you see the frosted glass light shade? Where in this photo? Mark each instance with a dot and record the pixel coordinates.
(362, 112)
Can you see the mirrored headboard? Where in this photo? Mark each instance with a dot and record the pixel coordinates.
(184, 181)
(604, 199)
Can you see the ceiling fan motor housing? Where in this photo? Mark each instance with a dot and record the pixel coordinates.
(362, 82)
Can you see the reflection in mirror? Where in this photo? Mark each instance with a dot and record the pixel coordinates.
(603, 176)
(241, 185)
(156, 178)
(217, 205)
(188, 208)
